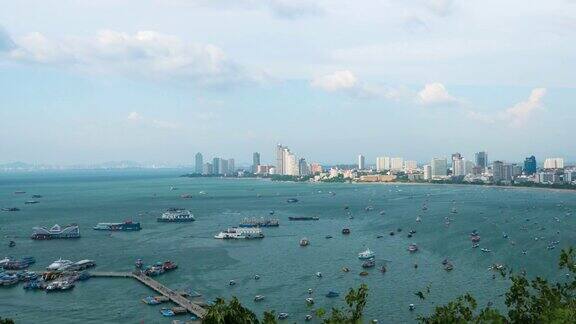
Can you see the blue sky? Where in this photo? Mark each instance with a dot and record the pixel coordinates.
(91, 81)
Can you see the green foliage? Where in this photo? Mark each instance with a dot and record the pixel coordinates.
(6, 321)
(528, 301)
(269, 318)
(231, 313)
(356, 301)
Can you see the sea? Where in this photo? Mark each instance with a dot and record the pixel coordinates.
(510, 221)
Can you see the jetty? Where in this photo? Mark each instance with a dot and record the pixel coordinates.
(173, 296)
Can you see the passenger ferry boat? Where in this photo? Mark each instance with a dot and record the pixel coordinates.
(240, 233)
(56, 232)
(366, 255)
(124, 227)
(176, 215)
(259, 222)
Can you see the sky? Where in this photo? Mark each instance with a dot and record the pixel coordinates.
(89, 81)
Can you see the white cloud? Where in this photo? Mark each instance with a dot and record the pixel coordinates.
(339, 80)
(440, 7)
(435, 94)
(520, 113)
(291, 9)
(144, 53)
(134, 116)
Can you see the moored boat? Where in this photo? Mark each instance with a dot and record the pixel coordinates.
(56, 232)
(303, 218)
(176, 215)
(365, 255)
(240, 233)
(125, 226)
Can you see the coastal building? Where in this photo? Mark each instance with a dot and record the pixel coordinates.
(199, 163)
(458, 165)
(502, 172)
(216, 165)
(410, 165)
(263, 169)
(316, 168)
(481, 160)
(377, 178)
(361, 162)
(223, 169)
(396, 164)
(554, 163)
(382, 163)
(290, 163)
(427, 172)
(280, 152)
(255, 162)
(303, 168)
(469, 167)
(207, 169)
(439, 168)
(231, 166)
(530, 165)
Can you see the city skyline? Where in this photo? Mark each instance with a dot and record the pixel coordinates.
(401, 78)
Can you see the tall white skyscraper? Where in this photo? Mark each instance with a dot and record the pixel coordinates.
(427, 172)
(439, 167)
(361, 162)
(458, 166)
(199, 163)
(290, 164)
(382, 163)
(554, 163)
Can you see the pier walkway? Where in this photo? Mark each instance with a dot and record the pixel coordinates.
(174, 296)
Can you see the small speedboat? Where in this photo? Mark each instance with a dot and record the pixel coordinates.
(332, 294)
(319, 274)
(486, 250)
(328, 236)
(345, 231)
(382, 269)
(448, 266)
(12, 244)
(310, 301)
(282, 316)
(418, 219)
(346, 269)
(258, 298)
(364, 273)
(167, 312)
(304, 242)
(232, 283)
(308, 317)
(411, 307)
(256, 277)
(475, 245)
(413, 248)
(368, 264)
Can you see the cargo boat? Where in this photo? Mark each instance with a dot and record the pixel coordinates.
(259, 222)
(176, 215)
(56, 232)
(121, 227)
(303, 218)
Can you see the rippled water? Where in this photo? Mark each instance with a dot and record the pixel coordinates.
(286, 269)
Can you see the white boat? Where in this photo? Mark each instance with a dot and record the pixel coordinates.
(413, 247)
(418, 219)
(304, 242)
(59, 264)
(310, 301)
(368, 254)
(236, 233)
(258, 298)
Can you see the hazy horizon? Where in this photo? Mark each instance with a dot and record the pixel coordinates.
(329, 79)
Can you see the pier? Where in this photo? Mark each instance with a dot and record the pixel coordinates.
(172, 295)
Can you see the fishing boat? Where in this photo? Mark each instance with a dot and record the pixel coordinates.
(59, 286)
(56, 232)
(486, 250)
(332, 294)
(8, 279)
(364, 273)
(258, 298)
(167, 312)
(36, 196)
(304, 242)
(149, 300)
(10, 209)
(236, 233)
(413, 248)
(283, 316)
(303, 218)
(345, 231)
(291, 200)
(368, 264)
(125, 226)
(367, 254)
(176, 215)
(31, 202)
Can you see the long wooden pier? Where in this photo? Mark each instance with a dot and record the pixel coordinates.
(159, 288)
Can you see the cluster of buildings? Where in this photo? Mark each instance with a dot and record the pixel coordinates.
(457, 168)
(218, 166)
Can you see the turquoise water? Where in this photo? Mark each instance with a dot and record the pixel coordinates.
(287, 270)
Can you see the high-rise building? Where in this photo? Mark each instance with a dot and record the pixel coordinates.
(231, 166)
(554, 163)
(199, 163)
(303, 168)
(469, 167)
(396, 164)
(382, 163)
(455, 156)
(280, 152)
(439, 167)
(255, 161)
(223, 166)
(207, 169)
(410, 165)
(530, 165)
(498, 171)
(216, 166)
(427, 172)
(481, 160)
(361, 162)
(458, 165)
(290, 163)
